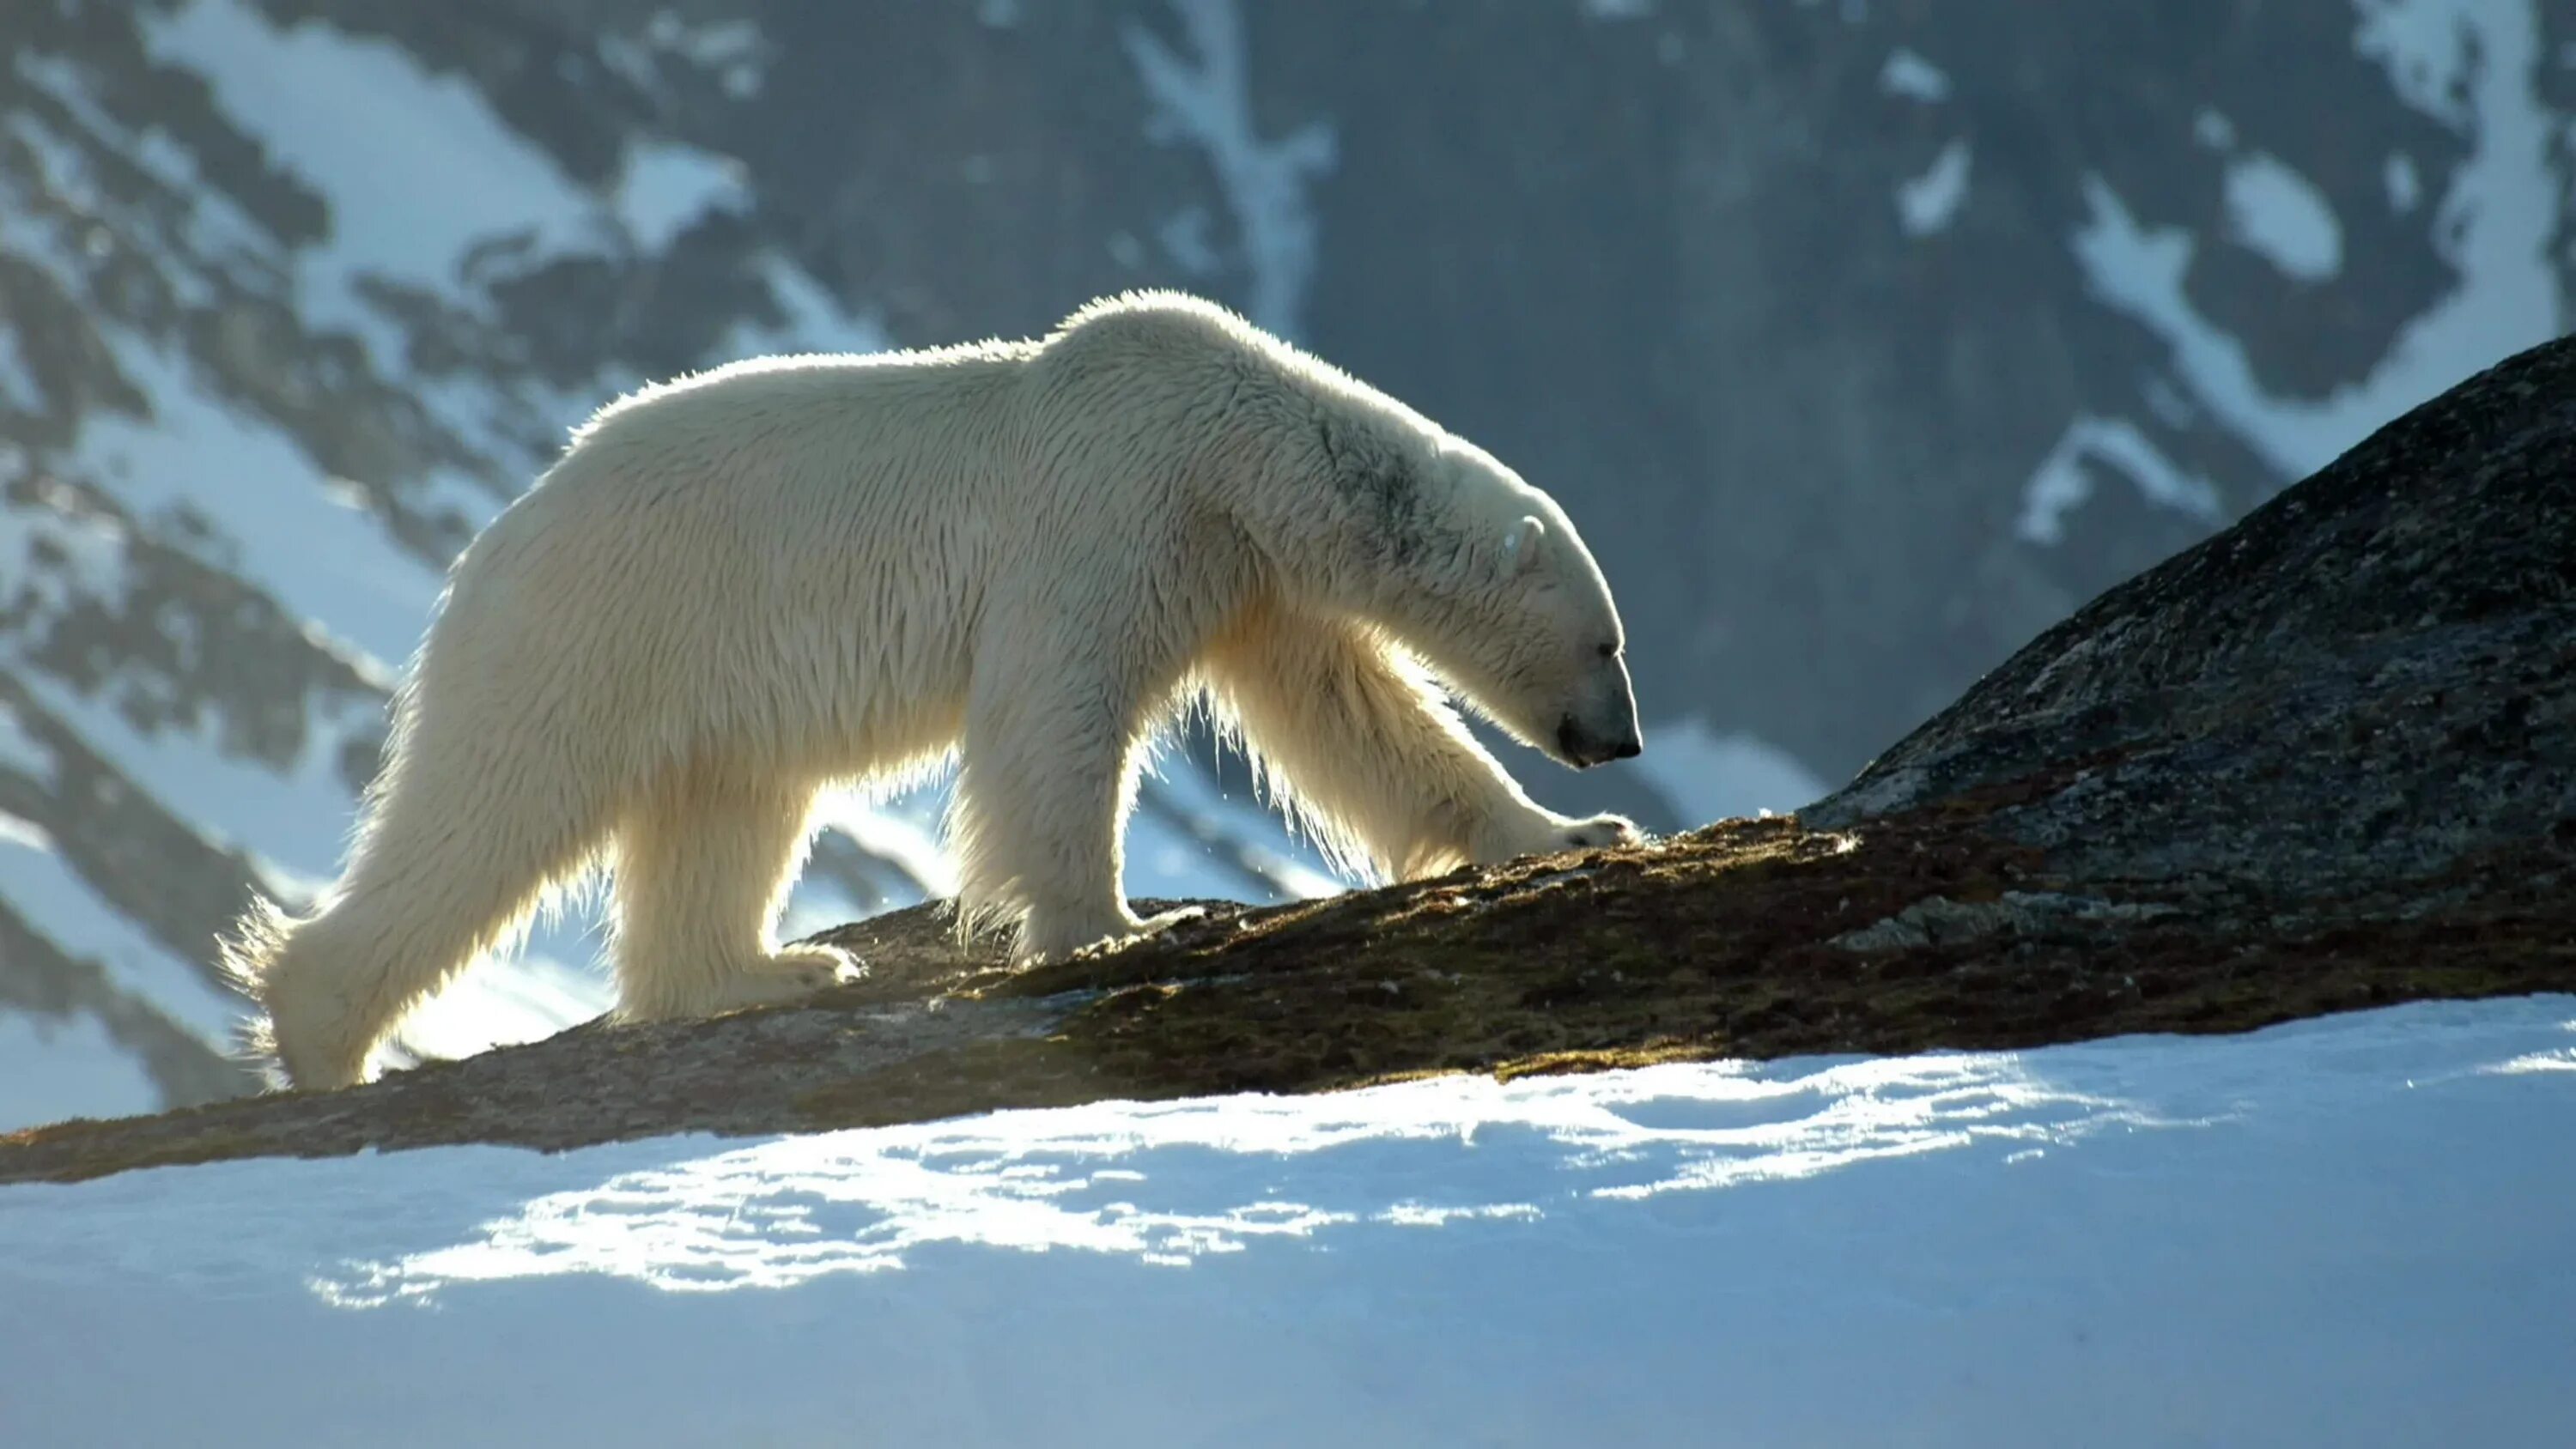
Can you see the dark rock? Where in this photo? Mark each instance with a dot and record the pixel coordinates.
(2361, 685)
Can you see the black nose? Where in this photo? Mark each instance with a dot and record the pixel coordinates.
(1580, 746)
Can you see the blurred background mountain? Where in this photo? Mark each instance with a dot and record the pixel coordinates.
(1863, 339)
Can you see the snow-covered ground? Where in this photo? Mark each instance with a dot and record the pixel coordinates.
(2347, 1232)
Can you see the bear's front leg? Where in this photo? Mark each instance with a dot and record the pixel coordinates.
(1363, 743)
(705, 858)
(1045, 783)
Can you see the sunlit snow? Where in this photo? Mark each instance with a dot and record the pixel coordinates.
(2349, 1231)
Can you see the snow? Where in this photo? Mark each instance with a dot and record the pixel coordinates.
(2469, 65)
(281, 523)
(1209, 103)
(734, 49)
(1910, 75)
(2060, 484)
(360, 122)
(1295, 864)
(816, 321)
(292, 822)
(54, 550)
(2349, 1231)
(529, 999)
(1707, 776)
(18, 386)
(2280, 215)
(56, 902)
(666, 187)
(2405, 184)
(20, 750)
(55, 1067)
(1927, 203)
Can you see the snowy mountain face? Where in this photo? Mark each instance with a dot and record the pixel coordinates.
(1863, 341)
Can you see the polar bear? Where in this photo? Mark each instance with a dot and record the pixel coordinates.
(739, 587)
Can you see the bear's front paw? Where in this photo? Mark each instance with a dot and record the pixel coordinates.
(1598, 832)
(787, 974)
(1047, 948)
(1549, 834)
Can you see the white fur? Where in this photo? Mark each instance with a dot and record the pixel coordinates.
(739, 587)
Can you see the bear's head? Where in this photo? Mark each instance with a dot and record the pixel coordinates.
(1515, 613)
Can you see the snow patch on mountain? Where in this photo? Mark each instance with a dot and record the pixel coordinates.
(270, 515)
(2280, 215)
(1926, 203)
(735, 52)
(57, 1067)
(1206, 100)
(50, 896)
(2062, 483)
(2471, 66)
(417, 167)
(1909, 75)
(666, 187)
(1707, 775)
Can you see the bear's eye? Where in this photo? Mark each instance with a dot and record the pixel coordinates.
(1608, 651)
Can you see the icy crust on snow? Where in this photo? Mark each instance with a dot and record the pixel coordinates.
(2349, 1231)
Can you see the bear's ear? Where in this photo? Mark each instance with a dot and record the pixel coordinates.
(1520, 544)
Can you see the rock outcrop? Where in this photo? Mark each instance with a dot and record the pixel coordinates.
(2324, 760)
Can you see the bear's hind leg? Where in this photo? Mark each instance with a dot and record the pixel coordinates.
(704, 862)
(463, 838)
